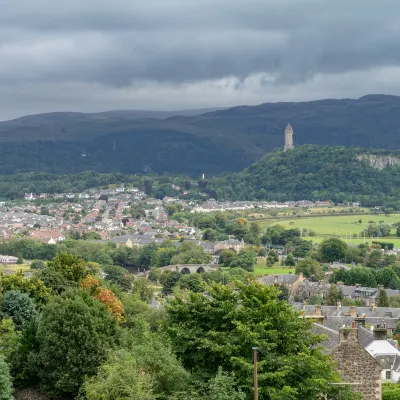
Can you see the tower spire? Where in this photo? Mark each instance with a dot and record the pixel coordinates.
(288, 138)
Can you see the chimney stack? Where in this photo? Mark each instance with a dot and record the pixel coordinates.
(276, 279)
(348, 334)
(318, 311)
(353, 311)
(380, 332)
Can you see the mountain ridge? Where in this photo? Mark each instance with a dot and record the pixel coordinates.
(218, 141)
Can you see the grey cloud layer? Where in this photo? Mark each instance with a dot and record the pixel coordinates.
(123, 43)
(174, 40)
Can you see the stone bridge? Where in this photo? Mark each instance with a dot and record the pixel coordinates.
(191, 268)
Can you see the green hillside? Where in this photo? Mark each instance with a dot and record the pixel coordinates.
(312, 172)
(214, 142)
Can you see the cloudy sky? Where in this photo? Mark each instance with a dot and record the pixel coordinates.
(96, 55)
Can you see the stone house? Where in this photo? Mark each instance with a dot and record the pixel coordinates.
(356, 366)
(290, 281)
(231, 244)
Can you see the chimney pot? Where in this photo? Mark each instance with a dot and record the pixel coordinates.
(348, 334)
(353, 311)
(380, 333)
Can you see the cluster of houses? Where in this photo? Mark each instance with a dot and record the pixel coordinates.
(360, 339)
(213, 205)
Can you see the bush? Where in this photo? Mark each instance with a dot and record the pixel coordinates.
(19, 307)
(120, 378)
(38, 264)
(6, 389)
(390, 391)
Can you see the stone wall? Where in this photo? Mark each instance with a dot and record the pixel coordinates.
(356, 366)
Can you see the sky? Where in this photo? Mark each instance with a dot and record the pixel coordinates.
(97, 55)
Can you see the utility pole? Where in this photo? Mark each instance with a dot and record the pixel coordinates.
(255, 373)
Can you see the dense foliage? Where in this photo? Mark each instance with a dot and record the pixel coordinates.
(313, 173)
(220, 330)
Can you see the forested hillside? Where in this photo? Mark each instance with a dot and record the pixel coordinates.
(214, 142)
(313, 172)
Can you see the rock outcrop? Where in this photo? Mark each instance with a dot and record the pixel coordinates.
(379, 161)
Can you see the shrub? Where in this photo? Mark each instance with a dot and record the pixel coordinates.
(6, 389)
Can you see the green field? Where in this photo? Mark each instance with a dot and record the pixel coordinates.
(343, 226)
(15, 267)
(260, 269)
(332, 225)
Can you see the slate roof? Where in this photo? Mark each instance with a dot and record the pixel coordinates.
(365, 336)
(281, 279)
(332, 336)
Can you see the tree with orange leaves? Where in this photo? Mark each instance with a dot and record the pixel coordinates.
(105, 296)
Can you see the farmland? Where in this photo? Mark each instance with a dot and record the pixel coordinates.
(333, 225)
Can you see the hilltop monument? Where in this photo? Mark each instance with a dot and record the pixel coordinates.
(288, 138)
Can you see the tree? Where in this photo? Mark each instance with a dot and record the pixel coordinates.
(223, 387)
(225, 257)
(20, 259)
(53, 280)
(376, 230)
(143, 288)
(332, 296)
(245, 259)
(163, 256)
(190, 253)
(374, 259)
(38, 264)
(72, 325)
(220, 329)
(6, 388)
(270, 262)
(382, 300)
(397, 227)
(315, 300)
(272, 253)
(155, 356)
(120, 378)
(33, 287)
(193, 282)
(73, 268)
(310, 268)
(9, 338)
(388, 278)
(290, 261)
(19, 307)
(302, 249)
(332, 250)
(171, 281)
(118, 276)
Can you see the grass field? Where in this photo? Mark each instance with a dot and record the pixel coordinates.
(260, 269)
(333, 225)
(15, 267)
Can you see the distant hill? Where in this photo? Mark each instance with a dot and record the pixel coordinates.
(212, 142)
(313, 172)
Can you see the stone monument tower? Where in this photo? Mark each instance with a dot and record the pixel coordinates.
(288, 138)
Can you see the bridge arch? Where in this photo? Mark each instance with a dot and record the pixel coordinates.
(200, 270)
(185, 270)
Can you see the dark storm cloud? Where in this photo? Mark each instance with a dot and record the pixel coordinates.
(73, 53)
(188, 40)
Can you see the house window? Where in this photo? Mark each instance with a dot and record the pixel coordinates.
(388, 374)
